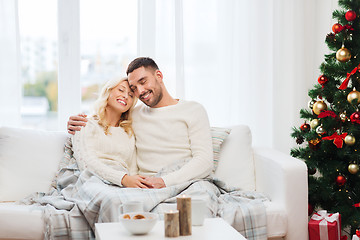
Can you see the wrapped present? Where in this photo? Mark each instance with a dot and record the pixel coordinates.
(356, 236)
(325, 226)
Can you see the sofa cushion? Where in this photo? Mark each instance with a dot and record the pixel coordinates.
(21, 222)
(28, 161)
(218, 136)
(236, 164)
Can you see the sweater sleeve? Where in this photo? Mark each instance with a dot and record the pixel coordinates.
(201, 164)
(133, 164)
(84, 153)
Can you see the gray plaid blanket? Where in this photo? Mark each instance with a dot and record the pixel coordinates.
(78, 200)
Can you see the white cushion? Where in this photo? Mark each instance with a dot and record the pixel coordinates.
(236, 164)
(28, 161)
(20, 222)
(276, 220)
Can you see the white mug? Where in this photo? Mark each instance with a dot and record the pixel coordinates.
(198, 208)
(131, 206)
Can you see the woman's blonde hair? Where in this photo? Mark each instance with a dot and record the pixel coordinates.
(100, 104)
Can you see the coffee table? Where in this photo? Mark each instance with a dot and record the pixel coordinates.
(213, 228)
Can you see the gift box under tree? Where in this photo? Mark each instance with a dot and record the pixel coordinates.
(325, 226)
(357, 235)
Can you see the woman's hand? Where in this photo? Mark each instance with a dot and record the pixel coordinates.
(136, 181)
(76, 122)
(155, 182)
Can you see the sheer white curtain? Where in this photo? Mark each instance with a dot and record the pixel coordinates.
(10, 90)
(248, 62)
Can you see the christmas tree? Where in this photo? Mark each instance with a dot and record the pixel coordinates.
(329, 138)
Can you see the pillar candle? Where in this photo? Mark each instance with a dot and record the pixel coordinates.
(184, 207)
(171, 221)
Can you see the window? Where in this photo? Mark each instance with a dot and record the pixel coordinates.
(38, 46)
(108, 35)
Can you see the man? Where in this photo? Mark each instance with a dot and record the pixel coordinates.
(167, 130)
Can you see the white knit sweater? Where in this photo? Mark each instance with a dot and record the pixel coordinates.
(108, 156)
(168, 134)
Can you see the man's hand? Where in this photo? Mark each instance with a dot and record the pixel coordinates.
(156, 182)
(136, 181)
(75, 122)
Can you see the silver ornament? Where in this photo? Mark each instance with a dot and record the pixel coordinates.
(311, 103)
(320, 130)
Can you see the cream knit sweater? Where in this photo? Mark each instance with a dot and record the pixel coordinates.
(168, 134)
(108, 156)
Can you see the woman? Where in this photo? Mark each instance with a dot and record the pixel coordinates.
(106, 145)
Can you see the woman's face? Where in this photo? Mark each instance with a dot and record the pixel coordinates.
(121, 97)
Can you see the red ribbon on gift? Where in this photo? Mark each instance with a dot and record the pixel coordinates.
(338, 139)
(327, 113)
(344, 84)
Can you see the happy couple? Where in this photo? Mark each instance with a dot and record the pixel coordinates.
(128, 145)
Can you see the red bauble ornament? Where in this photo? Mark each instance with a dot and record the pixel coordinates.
(350, 16)
(337, 28)
(305, 127)
(310, 209)
(340, 180)
(355, 117)
(323, 79)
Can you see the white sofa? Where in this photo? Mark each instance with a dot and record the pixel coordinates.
(29, 160)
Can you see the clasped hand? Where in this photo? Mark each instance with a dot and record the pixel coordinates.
(138, 181)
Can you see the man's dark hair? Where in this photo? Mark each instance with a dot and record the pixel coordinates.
(139, 62)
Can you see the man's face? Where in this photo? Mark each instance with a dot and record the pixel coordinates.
(145, 83)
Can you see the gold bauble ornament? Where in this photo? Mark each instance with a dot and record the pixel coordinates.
(350, 140)
(353, 168)
(343, 54)
(343, 117)
(314, 123)
(353, 95)
(319, 106)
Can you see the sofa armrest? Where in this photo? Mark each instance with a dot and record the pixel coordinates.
(284, 180)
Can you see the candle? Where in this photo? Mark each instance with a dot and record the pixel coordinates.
(171, 221)
(184, 207)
